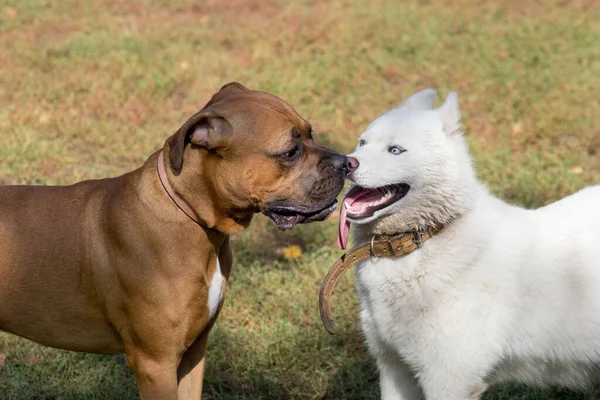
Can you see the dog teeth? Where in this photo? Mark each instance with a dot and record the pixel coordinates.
(383, 198)
(360, 208)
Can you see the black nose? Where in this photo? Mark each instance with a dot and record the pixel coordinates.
(344, 164)
(340, 163)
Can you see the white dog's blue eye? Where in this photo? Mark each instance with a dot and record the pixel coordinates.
(396, 150)
(361, 143)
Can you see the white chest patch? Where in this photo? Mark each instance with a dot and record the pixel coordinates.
(215, 291)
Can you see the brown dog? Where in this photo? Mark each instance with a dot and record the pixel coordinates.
(139, 263)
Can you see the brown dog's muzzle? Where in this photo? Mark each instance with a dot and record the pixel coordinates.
(320, 187)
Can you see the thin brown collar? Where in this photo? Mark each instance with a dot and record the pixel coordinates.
(380, 246)
(179, 201)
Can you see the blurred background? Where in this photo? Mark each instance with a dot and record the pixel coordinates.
(91, 88)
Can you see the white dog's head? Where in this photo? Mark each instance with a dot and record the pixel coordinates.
(414, 169)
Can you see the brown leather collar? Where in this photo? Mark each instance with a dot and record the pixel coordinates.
(380, 246)
(179, 201)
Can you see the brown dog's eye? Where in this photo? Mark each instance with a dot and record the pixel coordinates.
(292, 154)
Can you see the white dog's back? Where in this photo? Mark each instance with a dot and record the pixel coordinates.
(583, 206)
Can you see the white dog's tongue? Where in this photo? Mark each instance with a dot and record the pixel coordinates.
(344, 230)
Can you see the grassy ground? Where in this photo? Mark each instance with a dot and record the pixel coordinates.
(89, 89)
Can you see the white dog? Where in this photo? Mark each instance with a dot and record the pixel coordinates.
(499, 293)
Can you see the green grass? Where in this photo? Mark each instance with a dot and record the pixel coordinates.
(89, 89)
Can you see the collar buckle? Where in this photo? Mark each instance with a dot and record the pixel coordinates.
(381, 246)
(373, 254)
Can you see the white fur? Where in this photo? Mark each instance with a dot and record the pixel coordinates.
(501, 293)
(215, 291)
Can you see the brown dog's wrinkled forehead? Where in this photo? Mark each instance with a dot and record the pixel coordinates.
(245, 109)
(246, 115)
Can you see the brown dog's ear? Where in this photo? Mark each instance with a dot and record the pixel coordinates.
(205, 128)
(234, 85)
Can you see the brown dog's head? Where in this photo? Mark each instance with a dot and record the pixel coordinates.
(248, 151)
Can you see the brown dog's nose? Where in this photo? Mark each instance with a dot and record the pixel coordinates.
(345, 164)
(340, 163)
(352, 164)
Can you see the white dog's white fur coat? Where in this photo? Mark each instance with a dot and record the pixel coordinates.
(500, 293)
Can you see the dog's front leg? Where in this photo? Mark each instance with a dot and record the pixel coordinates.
(396, 380)
(191, 370)
(456, 384)
(156, 377)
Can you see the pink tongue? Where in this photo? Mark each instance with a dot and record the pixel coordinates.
(344, 229)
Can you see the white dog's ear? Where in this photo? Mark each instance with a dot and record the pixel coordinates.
(449, 113)
(422, 100)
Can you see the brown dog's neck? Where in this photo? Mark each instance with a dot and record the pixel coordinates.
(178, 200)
(191, 193)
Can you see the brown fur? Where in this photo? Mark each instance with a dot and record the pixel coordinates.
(112, 265)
